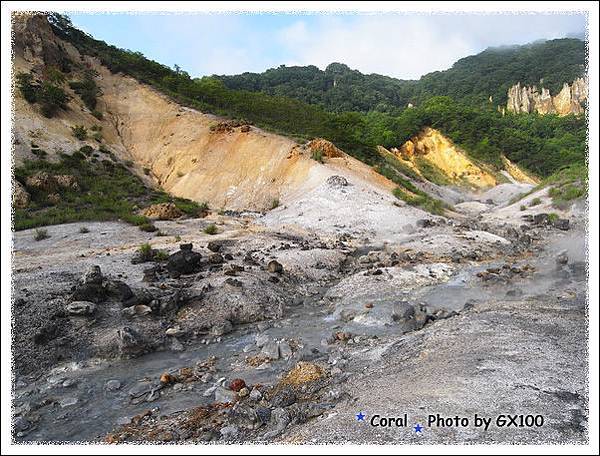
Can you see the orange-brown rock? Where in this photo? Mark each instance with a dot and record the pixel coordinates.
(162, 211)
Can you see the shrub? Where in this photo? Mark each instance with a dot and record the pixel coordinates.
(146, 252)
(177, 238)
(40, 234)
(87, 89)
(147, 171)
(84, 230)
(79, 132)
(535, 202)
(317, 155)
(523, 207)
(97, 136)
(275, 203)
(27, 87)
(148, 227)
(97, 114)
(51, 99)
(160, 255)
(211, 229)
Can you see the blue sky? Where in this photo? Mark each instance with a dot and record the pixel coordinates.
(401, 45)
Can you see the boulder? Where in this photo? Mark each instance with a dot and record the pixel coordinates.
(336, 181)
(130, 342)
(221, 328)
(275, 267)
(184, 262)
(81, 308)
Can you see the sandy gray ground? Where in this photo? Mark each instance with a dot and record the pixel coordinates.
(473, 314)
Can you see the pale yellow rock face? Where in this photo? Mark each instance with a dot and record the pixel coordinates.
(518, 174)
(570, 100)
(434, 147)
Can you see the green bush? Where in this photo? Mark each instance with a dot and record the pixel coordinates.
(146, 252)
(535, 202)
(87, 89)
(317, 155)
(27, 87)
(97, 114)
(84, 230)
(211, 229)
(41, 234)
(148, 227)
(79, 132)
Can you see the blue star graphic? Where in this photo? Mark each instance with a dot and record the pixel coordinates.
(360, 416)
(418, 428)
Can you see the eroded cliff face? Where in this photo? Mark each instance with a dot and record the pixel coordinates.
(570, 100)
(430, 148)
(188, 153)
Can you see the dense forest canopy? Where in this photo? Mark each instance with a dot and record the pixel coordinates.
(472, 79)
(543, 144)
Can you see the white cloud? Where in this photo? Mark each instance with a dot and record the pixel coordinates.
(408, 46)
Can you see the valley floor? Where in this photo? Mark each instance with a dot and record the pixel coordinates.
(451, 316)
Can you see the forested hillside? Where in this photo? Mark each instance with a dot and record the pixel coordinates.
(543, 144)
(472, 79)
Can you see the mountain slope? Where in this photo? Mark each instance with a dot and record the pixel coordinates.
(472, 79)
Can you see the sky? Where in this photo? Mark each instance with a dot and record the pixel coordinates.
(404, 46)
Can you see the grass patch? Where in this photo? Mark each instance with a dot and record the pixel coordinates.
(431, 172)
(41, 234)
(317, 155)
(535, 202)
(211, 229)
(79, 132)
(148, 227)
(275, 203)
(108, 191)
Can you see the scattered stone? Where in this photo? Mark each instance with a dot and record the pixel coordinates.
(232, 269)
(243, 392)
(118, 290)
(234, 282)
(285, 351)
(21, 424)
(255, 395)
(128, 312)
(81, 308)
(68, 402)
(224, 395)
(561, 224)
(336, 181)
(167, 379)
(214, 246)
(270, 350)
(184, 262)
(562, 258)
(216, 258)
(275, 267)
(221, 328)
(93, 276)
(174, 331)
(113, 385)
(262, 340)
(229, 432)
(142, 310)
(130, 342)
(237, 384)
(262, 413)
